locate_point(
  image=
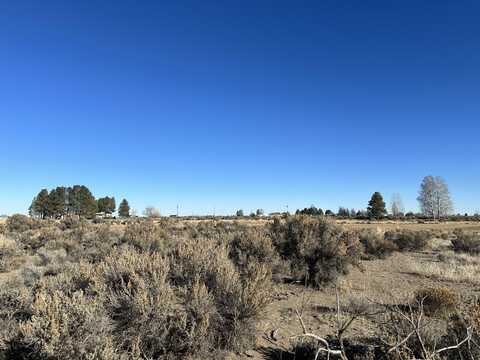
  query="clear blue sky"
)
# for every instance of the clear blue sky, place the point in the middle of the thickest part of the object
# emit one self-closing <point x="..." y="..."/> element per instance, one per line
<point x="239" y="104"/>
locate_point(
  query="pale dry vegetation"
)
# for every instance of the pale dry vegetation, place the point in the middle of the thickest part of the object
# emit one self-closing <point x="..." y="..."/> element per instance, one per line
<point x="143" y="289"/>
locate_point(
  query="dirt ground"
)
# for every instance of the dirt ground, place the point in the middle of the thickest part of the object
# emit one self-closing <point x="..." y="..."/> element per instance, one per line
<point x="387" y="281"/>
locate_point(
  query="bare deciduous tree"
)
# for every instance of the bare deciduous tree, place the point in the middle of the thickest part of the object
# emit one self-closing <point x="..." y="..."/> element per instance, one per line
<point x="396" y="206"/>
<point x="434" y="197"/>
<point x="151" y="212"/>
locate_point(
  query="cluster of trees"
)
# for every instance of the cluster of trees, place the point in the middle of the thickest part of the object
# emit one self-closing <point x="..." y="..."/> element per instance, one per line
<point x="312" y="210"/>
<point x="434" y="199"/>
<point x="257" y="213"/>
<point x="76" y="200"/>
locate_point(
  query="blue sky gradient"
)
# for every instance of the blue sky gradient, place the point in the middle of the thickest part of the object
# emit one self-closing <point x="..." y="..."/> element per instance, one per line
<point x="239" y="104"/>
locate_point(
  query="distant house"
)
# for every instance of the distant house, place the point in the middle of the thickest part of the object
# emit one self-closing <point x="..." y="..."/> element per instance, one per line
<point x="276" y="214"/>
<point x="103" y="215"/>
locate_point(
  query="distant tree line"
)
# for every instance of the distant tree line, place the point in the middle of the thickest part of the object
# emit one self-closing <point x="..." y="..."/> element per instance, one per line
<point x="434" y="200"/>
<point x="74" y="201"/>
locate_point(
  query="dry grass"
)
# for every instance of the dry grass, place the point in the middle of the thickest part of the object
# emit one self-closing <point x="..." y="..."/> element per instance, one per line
<point x="178" y="288"/>
<point x="449" y="267"/>
<point x="7" y="243"/>
<point x="410" y="225"/>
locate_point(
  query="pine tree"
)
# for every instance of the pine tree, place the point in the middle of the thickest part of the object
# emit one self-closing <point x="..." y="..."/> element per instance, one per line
<point x="124" y="209"/>
<point x="56" y="203"/>
<point x="376" y="206"/>
<point x="81" y="201"/>
<point x="39" y="205"/>
<point x="106" y="205"/>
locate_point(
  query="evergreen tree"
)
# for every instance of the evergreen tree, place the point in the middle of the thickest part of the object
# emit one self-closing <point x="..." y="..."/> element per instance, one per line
<point x="56" y="203"/>
<point x="39" y="205"/>
<point x="376" y="206"/>
<point x="106" y="205"/>
<point x="343" y="212"/>
<point x="124" y="209"/>
<point x="82" y="202"/>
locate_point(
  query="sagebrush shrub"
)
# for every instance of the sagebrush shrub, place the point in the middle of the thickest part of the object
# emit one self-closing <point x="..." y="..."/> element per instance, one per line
<point x="467" y="242"/>
<point x="71" y="222"/>
<point x="375" y="244"/>
<point x="20" y="223"/>
<point x="145" y="236"/>
<point x="254" y="246"/>
<point x="15" y="307"/>
<point x="65" y="326"/>
<point x="33" y="240"/>
<point x="437" y="300"/>
<point x="147" y="315"/>
<point x="239" y="297"/>
<point x="408" y="240"/>
<point x="11" y="256"/>
<point x="317" y="248"/>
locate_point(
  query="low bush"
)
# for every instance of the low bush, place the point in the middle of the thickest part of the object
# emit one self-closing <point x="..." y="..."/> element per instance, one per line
<point x="136" y="303"/>
<point x="15" y="307"/>
<point x="147" y="314"/>
<point x="239" y="297"/>
<point x="145" y="236"/>
<point x="33" y="240"/>
<point x="66" y="326"/>
<point x="437" y="300"/>
<point x="409" y="240"/>
<point x="467" y="242"/>
<point x="376" y="246"/>
<point x="255" y="246"/>
<point x="11" y="256"/>
<point x="19" y="223"/>
<point x="319" y="250"/>
<point x="71" y="222"/>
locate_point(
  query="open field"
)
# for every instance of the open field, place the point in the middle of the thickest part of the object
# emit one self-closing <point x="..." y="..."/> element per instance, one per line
<point x="236" y="289"/>
<point x="355" y="224"/>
